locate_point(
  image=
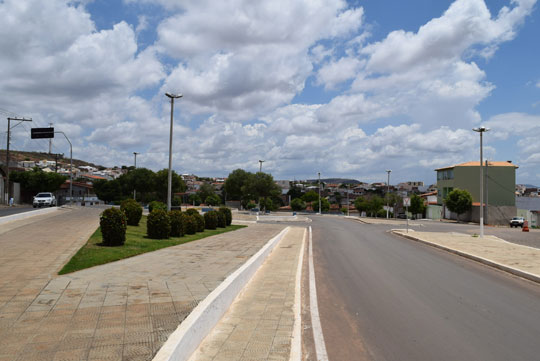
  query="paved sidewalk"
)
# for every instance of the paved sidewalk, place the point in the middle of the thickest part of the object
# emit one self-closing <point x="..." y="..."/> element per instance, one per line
<point x="259" y="324"/>
<point x="123" y="310"/>
<point x="495" y="251"/>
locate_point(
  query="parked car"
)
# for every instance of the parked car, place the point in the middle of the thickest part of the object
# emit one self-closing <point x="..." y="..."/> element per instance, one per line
<point x="517" y="222"/>
<point x="44" y="199"/>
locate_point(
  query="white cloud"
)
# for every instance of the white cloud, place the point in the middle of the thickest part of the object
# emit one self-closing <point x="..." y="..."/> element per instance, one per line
<point x="337" y="72"/>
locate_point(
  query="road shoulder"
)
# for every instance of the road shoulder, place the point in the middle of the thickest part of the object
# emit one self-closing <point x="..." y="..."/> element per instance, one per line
<point x="522" y="261"/>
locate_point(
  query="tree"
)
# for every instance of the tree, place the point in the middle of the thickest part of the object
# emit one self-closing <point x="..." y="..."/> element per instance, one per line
<point x="375" y="205"/>
<point x="338" y="197"/>
<point x="361" y="205"/>
<point x="213" y="200"/>
<point x="325" y="205"/>
<point x="161" y="184"/>
<point x="108" y="191"/>
<point x="206" y="190"/>
<point x="234" y="183"/>
<point x="298" y="204"/>
<point x="37" y="180"/>
<point x="194" y="199"/>
<point x="260" y="185"/>
<point x="142" y="180"/>
<point x="417" y="205"/>
<point x="458" y="201"/>
<point x="295" y="192"/>
<point x="310" y="196"/>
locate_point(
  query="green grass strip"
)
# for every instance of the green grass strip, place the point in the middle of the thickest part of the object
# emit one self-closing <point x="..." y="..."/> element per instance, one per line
<point x="94" y="254"/>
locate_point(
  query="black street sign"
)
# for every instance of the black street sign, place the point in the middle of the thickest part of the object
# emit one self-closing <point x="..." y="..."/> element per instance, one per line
<point x="38" y="133"/>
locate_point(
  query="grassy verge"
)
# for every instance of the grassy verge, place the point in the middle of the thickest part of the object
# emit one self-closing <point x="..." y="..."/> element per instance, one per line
<point x="93" y="253"/>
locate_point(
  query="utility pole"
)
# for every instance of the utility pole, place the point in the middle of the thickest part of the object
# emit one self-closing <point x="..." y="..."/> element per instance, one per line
<point x="71" y="167"/>
<point x="260" y="165"/>
<point x="348" y="200"/>
<point x="7" y="150"/>
<point x="50" y="139"/>
<point x="320" y="210"/>
<point x="487" y="199"/>
<point x="134" y="191"/>
<point x="388" y="194"/>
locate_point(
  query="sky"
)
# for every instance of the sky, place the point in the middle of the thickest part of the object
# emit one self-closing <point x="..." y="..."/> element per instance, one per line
<point x="346" y="88"/>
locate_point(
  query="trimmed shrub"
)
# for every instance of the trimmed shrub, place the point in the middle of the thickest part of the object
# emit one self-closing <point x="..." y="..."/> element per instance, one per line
<point x="222" y="220"/>
<point x="211" y="219"/>
<point x="228" y="215"/>
<point x="158" y="224"/>
<point x="132" y="210"/>
<point x="177" y="223"/>
<point x="199" y="219"/>
<point x="250" y="205"/>
<point x="190" y="225"/>
<point x="156" y="205"/>
<point x="113" y="227"/>
<point x="192" y="211"/>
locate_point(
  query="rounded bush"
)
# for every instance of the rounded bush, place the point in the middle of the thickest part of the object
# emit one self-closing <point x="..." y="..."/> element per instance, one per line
<point x="222" y="220"/>
<point x="190" y="225"/>
<point x="192" y="211"/>
<point x="210" y="220"/>
<point x="113" y="227"/>
<point x="177" y="223"/>
<point x="156" y="205"/>
<point x="132" y="210"/>
<point x="158" y="224"/>
<point x="228" y="214"/>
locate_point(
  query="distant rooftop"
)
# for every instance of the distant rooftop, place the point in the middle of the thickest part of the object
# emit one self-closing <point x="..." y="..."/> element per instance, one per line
<point x="476" y="164"/>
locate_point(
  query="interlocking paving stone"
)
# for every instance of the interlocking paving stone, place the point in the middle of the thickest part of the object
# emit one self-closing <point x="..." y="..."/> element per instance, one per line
<point x="259" y="324"/>
<point x="124" y="310"/>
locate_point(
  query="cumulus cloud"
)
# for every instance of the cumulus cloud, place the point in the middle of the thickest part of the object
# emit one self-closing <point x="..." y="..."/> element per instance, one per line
<point x="404" y="102"/>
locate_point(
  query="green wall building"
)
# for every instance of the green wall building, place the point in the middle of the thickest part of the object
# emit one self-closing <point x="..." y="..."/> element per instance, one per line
<point x="499" y="184"/>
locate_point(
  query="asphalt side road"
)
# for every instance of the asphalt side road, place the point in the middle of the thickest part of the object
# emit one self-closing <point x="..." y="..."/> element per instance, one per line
<point x="8" y="211"/>
<point x="383" y="297"/>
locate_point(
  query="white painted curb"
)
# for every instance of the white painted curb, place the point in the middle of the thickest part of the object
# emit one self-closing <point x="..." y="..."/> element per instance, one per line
<point x="296" y="342"/>
<point x="24" y="215"/>
<point x="192" y="331"/>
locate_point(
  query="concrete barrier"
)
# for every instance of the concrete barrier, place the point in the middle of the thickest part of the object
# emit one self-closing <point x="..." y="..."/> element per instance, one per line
<point x="24" y="215"/>
<point x="192" y="331"/>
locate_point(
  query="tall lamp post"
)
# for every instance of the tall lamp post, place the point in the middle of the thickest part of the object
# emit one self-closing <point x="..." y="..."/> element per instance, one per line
<point x="134" y="190"/>
<point x="481" y="130"/>
<point x="7" y="151"/>
<point x="387" y="194"/>
<point x="260" y="165"/>
<point x="320" y="210"/>
<point x="169" y="182"/>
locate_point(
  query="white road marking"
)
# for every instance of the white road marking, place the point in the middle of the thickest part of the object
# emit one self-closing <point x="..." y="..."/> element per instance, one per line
<point x="296" y="343"/>
<point x="318" y="337"/>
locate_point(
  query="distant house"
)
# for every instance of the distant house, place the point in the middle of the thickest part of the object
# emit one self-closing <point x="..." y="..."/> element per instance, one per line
<point x="499" y="188"/>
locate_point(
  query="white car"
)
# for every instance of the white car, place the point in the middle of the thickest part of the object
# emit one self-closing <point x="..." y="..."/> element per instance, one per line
<point x="44" y="199"/>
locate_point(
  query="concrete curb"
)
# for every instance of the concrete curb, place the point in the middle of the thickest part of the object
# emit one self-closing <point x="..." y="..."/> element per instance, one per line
<point x="24" y="215"/>
<point x="186" y="338"/>
<point x="487" y="262"/>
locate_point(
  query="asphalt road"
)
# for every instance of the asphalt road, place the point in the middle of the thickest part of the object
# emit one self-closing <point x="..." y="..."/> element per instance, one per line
<point x="383" y="297"/>
<point x="7" y="211"/>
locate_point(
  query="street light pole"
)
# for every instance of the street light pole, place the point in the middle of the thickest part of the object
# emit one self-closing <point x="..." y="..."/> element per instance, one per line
<point x="387" y="195"/>
<point x="348" y="200"/>
<point x="71" y="168"/>
<point x="481" y="130"/>
<point x="260" y="165"/>
<point x="7" y="151"/>
<point x="169" y="182"/>
<point x="320" y="210"/>
<point x="134" y="190"/>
